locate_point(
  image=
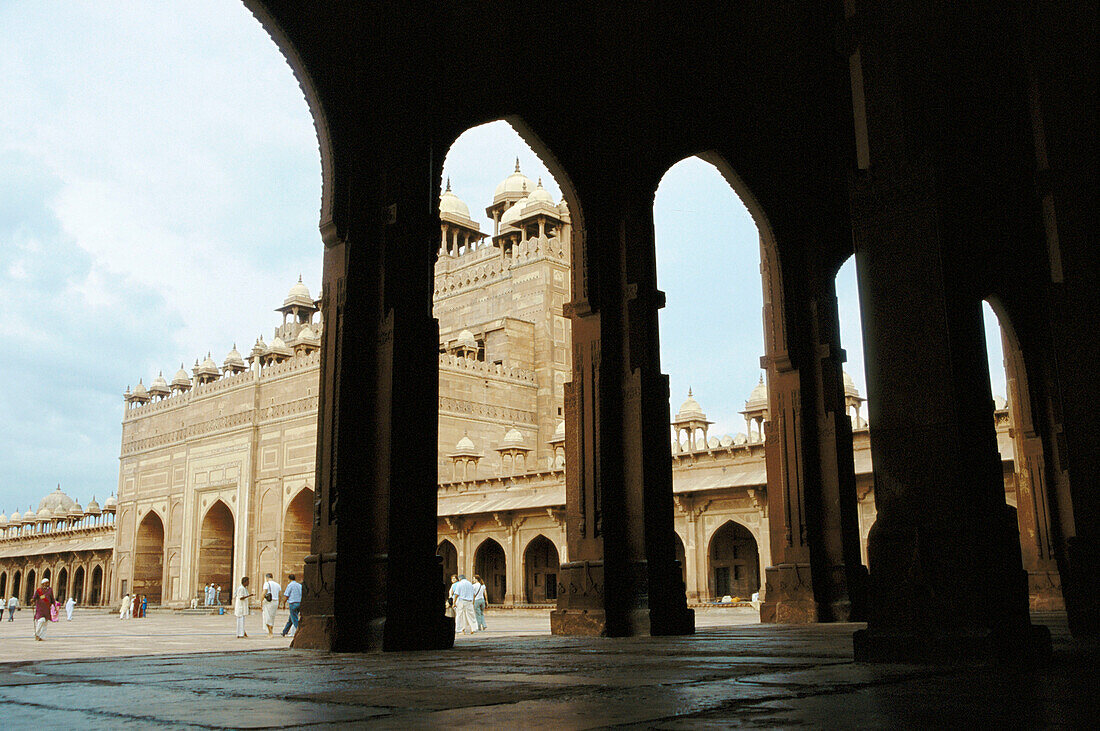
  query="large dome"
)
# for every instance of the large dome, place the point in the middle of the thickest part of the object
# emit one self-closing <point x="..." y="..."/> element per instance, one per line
<point x="515" y="184"/>
<point x="57" y="502"/>
<point x="451" y="203"/>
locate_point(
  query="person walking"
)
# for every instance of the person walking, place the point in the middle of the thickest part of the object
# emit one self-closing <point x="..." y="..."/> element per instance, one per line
<point x="218" y="595"/>
<point x="43" y="603"/>
<point x="210" y="594"/>
<point x="464" y="606"/>
<point x="480" y="601"/>
<point x="69" y="604"/>
<point x="144" y="605"/>
<point x="293" y="595"/>
<point x="240" y="605"/>
<point x="13" y="604"/>
<point x="134" y="607"/>
<point x="125" y="608"/>
<point x="271" y="603"/>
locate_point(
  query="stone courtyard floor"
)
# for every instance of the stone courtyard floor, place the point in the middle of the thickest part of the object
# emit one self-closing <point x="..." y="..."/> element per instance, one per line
<point x="175" y="671"/>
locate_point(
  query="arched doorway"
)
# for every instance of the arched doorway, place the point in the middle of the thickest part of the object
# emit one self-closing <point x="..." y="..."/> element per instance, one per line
<point x="78" y="585"/>
<point x="447" y="551"/>
<point x="540" y="562"/>
<point x="297" y="527"/>
<point x="95" y="592"/>
<point x="734" y="562"/>
<point x="15" y="582"/>
<point x="61" y="591"/>
<point x="491" y="565"/>
<point x="681" y="556"/>
<point x="216" y="547"/>
<point x="4" y="586"/>
<point x="149" y="558"/>
<point x="28" y="590"/>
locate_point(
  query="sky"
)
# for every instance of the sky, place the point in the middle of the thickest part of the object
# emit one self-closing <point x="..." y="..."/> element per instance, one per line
<point x="159" y="194"/>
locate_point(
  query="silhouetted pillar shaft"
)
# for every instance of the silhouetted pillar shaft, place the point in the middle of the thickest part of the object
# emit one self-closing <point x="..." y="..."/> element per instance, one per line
<point x="373" y="579"/>
<point x="622" y="577"/>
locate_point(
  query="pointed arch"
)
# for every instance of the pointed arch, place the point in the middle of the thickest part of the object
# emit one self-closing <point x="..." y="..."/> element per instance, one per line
<point x="78" y="584"/>
<point x="148" y="577"/>
<point x="95" y="590"/>
<point x="216" y="543"/>
<point x="29" y="586"/>
<point x="296" y="533"/>
<point x="62" y="590"/>
<point x="449" y="553"/>
<point x="491" y="565"/>
<point x="733" y="559"/>
<point x="540" y="569"/>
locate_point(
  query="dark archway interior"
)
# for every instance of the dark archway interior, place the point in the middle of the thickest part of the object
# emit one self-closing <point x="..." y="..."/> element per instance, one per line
<point x="297" y="527"/>
<point x="62" y="591"/>
<point x="149" y="558"/>
<point x="541" y="567"/>
<point x="95" y="591"/>
<point x="31" y="585"/>
<point x="216" y="548"/>
<point x="15" y="584"/>
<point x="78" y="584"/>
<point x="734" y="562"/>
<point x="447" y="551"/>
<point x="490" y="565"/>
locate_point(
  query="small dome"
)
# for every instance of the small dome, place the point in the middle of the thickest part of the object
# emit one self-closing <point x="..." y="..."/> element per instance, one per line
<point x="93" y="507"/>
<point x="759" y="396"/>
<point x="207" y="368"/>
<point x="234" y="358"/>
<point x="159" y="385"/>
<point x="76" y="511"/>
<point x="298" y="295"/>
<point x="542" y="195"/>
<point x="466" y="339"/>
<point x="56" y="502"/>
<point x="44" y="514"/>
<point x="3" y="519"/>
<point x="306" y="335"/>
<point x="465" y="444"/>
<point x="559" y="432"/>
<point x="690" y="410"/>
<point x="140" y="391"/>
<point x="16" y="518"/>
<point x="512" y="439"/>
<point x="740" y="438"/>
<point x="451" y="203"/>
<point x="512" y="215"/>
<point x="181" y="378"/>
<point x="516" y="183"/>
<point x="278" y="346"/>
<point x="850" y="386"/>
<point x="111" y="502"/>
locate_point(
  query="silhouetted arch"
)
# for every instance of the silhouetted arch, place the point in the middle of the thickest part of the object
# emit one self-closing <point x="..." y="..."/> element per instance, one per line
<point x="681" y="556"/>
<point x="734" y="562"/>
<point x="447" y="551"/>
<point x="16" y="581"/>
<point x="28" y="590"/>
<point x="297" y="529"/>
<point x="540" y="567"/>
<point x="62" y="590"/>
<point x="216" y="547"/>
<point x="4" y="586"/>
<point x="78" y="584"/>
<point x="149" y="558"/>
<point x="491" y="564"/>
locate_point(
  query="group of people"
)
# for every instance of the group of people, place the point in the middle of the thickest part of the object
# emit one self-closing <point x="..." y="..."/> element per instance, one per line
<point x="133" y="606"/>
<point x="466" y="601"/>
<point x="212" y="595"/>
<point x="271" y="596"/>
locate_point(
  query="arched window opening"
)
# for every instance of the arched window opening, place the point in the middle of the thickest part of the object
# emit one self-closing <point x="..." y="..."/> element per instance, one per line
<point x="297" y="529"/>
<point x="32" y="584"/>
<point x="491" y="565"/>
<point x="447" y="551"/>
<point x="62" y="589"/>
<point x="734" y="561"/>
<point x="16" y="582"/>
<point x="215" y="564"/>
<point x="78" y="585"/>
<point x="95" y="591"/>
<point x="681" y="558"/>
<point x="4" y="586"/>
<point x="540" y="565"/>
<point x="149" y="558"/>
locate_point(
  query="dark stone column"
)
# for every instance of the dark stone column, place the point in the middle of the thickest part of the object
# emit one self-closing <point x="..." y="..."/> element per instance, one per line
<point x="376" y="498"/>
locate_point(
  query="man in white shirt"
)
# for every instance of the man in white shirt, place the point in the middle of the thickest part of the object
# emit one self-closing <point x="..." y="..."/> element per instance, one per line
<point x="240" y="605"/>
<point x="464" y="593"/>
<point x="270" y="595"/>
<point x="13" y="604"/>
<point x="69" y="604"/>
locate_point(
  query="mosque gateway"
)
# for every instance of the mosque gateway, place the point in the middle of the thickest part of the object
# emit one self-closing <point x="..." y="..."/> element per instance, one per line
<point x="217" y="472"/>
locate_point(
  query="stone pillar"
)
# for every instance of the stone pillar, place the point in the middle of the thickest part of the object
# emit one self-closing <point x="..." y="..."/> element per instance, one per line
<point x="618" y="465"/>
<point x="946" y="580"/>
<point x="370" y="586"/>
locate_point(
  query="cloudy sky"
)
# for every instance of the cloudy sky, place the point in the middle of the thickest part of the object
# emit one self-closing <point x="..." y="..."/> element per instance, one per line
<point x="159" y="194"/>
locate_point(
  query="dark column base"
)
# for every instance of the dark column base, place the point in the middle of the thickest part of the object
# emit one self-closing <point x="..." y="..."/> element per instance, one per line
<point x="672" y="621"/>
<point x="1080" y="586"/>
<point x="788" y="595"/>
<point x="320" y="633"/>
<point x="580" y="622"/>
<point x="1044" y="591"/>
<point x="1030" y="644"/>
<point x="315" y="633"/>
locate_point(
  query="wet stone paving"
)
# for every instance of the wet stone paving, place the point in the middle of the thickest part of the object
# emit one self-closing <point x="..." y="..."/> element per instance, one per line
<point x="730" y="673"/>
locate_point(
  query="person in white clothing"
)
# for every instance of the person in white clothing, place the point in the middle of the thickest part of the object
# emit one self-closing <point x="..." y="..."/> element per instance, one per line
<point x="240" y="605"/>
<point x="69" y="604"/>
<point x="464" y="606"/>
<point x="125" y="608"/>
<point x="13" y="604"/>
<point x="270" y="595"/>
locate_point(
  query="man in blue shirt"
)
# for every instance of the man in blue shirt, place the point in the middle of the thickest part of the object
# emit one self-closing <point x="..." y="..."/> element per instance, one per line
<point x="293" y="596"/>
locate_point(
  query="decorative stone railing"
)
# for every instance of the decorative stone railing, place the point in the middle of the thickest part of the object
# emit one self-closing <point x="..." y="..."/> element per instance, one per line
<point x="7" y="538"/>
<point x="458" y="363"/>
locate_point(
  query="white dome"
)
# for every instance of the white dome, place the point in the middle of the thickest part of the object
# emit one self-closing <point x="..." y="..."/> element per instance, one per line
<point x="76" y="511"/>
<point x="512" y="215"/>
<point x="207" y="367"/>
<point x="451" y="203"/>
<point x="466" y="339"/>
<point x="306" y="335"/>
<point x="758" y="398"/>
<point x="850" y="386"/>
<point x="278" y="345"/>
<point x="111" y="502"/>
<point x="16" y="517"/>
<point x="140" y="390"/>
<point x="559" y="432"/>
<point x="181" y="378"/>
<point x="44" y="513"/>
<point x="3" y="519"/>
<point x="93" y="507"/>
<point x="298" y="295"/>
<point x="56" y="502"/>
<point x="690" y="410"/>
<point x="234" y="358"/>
<point x="465" y="444"/>
<point x="159" y="385"/>
<point x="516" y="183"/>
<point x="541" y="194"/>
<point x="512" y="439"/>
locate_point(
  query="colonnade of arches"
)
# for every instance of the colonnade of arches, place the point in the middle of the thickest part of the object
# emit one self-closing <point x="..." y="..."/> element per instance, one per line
<point x="83" y="577"/>
<point x="537" y="577"/>
<point x="848" y="153"/>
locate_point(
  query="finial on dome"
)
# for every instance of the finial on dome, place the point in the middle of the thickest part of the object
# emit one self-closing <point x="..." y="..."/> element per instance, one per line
<point x="689" y="391"/>
<point x="540" y="181"/>
<point x="448" y="184"/>
<point x="299" y="278"/>
<point x="517" y="163"/>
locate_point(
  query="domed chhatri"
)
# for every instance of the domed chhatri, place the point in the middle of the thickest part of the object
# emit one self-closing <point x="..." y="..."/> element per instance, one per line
<point x="690" y="410"/>
<point x="56" y="502"/>
<point x="515" y="185"/>
<point x="298" y="295"/>
<point x="512" y="439"/>
<point x="93" y="507"/>
<point x="110" y="503"/>
<point x="467" y="339"/>
<point x="451" y="203"/>
<point x="234" y="361"/>
<point x="181" y="380"/>
<point x="758" y="397"/>
<point x="159" y="386"/>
